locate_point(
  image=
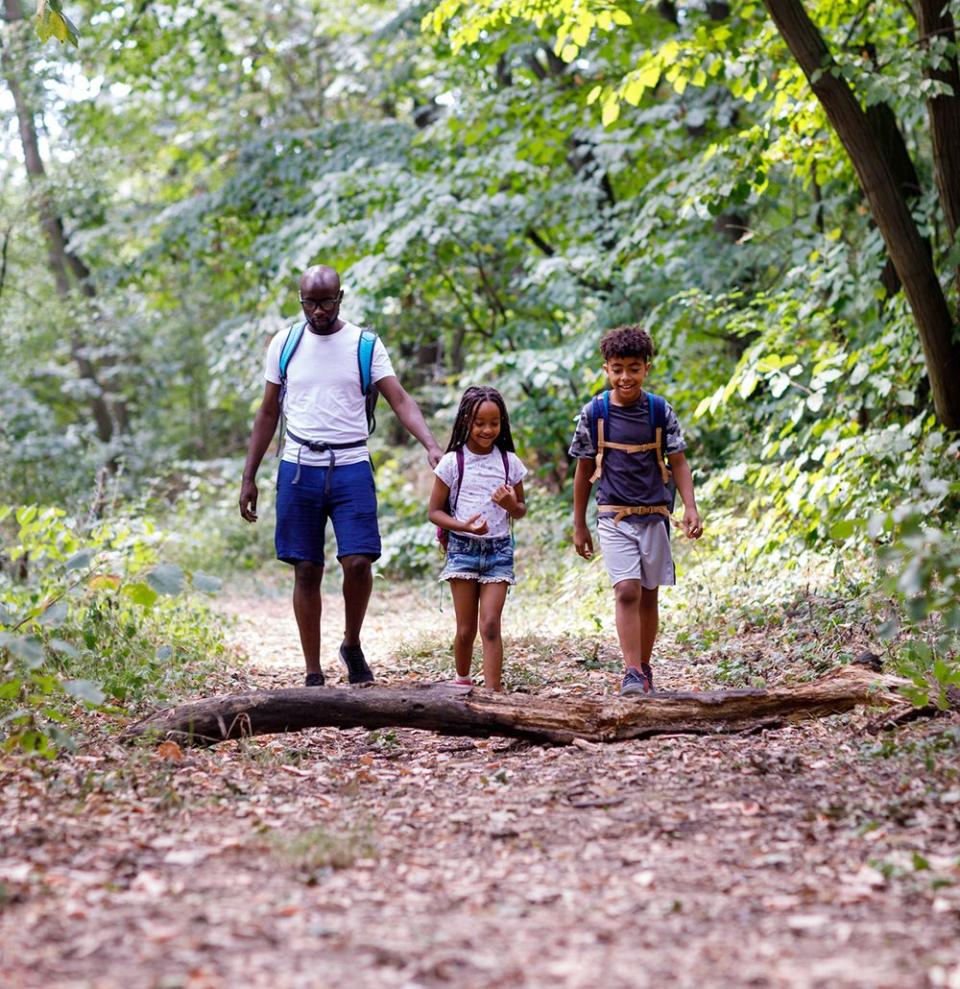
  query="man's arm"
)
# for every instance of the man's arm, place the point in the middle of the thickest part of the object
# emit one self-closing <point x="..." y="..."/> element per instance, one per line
<point x="582" y="540"/>
<point x="264" y="426"/>
<point x="684" y="481"/>
<point x="410" y="416"/>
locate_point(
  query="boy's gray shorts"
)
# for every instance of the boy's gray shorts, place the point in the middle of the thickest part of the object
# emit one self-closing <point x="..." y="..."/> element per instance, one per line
<point x="637" y="551"/>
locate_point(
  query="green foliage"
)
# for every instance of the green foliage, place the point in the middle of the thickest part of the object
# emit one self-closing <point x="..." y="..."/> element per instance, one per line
<point x="91" y="620"/>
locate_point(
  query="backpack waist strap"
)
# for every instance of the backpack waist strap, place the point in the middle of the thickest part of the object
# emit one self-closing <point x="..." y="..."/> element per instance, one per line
<point x="622" y="511"/>
<point x="316" y="447"/>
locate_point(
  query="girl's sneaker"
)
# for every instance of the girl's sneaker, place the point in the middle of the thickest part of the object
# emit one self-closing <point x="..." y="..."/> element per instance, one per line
<point x="463" y="681"/>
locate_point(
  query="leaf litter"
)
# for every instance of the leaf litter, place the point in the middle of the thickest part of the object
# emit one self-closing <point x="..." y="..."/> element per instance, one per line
<point x="818" y="855"/>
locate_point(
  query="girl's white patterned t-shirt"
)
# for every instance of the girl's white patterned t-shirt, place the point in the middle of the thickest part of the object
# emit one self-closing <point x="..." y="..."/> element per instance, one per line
<point x="482" y="475"/>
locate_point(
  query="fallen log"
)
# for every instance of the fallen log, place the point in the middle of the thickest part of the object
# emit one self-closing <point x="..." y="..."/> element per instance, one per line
<point x="450" y="710"/>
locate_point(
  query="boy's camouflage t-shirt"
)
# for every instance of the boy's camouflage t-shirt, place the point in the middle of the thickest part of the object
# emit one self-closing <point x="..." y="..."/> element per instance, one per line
<point x="582" y="446"/>
<point x="628" y="479"/>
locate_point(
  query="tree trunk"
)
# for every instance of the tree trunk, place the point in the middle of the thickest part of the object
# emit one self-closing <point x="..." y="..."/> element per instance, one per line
<point x="451" y="710"/>
<point x="934" y="20"/>
<point x="906" y="246"/>
<point x="62" y="262"/>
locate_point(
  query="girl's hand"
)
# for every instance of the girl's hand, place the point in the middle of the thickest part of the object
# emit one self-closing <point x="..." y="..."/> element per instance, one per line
<point x="476" y="524"/>
<point x="505" y="497"/>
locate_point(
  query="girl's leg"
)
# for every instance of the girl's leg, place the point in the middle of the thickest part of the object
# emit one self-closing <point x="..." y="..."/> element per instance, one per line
<point x="466" y="595"/>
<point x="649" y="621"/>
<point x="629" y="626"/>
<point x="492" y="599"/>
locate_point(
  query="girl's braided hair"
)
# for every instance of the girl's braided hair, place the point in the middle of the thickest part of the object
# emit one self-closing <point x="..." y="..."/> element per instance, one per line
<point x="472" y="399"/>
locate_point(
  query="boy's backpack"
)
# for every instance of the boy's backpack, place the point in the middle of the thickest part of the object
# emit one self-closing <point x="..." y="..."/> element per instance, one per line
<point x="600" y="413"/>
<point x="443" y="535"/>
<point x="365" y="345"/>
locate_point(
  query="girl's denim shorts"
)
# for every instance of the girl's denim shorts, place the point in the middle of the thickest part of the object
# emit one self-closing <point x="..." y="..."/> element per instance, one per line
<point x="488" y="560"/>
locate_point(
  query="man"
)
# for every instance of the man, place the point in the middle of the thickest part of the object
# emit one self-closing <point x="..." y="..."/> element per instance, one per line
<point x="325" y="470"/>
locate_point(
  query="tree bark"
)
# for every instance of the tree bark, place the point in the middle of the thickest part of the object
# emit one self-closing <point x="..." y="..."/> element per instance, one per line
<point x="906" y="246"/>
<point x="451" y="710"/>
<point x="934" y="20"/>
<point x="62" y="261"/>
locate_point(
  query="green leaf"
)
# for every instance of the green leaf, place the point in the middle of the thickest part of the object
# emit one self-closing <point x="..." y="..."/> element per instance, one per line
<point x="80" y="561"/>
<point x="141" y="594"/>
<point x="167" y="578"/>
<point x="85" y="690"/>
<point x="26" y="648"/>
<point x="843" y="529"/>
<point x="206" y="582"/>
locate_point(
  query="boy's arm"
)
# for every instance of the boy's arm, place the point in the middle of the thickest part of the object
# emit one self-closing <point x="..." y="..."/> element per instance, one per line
<point x="582" y="541"/>
<point x="682" y="477"/>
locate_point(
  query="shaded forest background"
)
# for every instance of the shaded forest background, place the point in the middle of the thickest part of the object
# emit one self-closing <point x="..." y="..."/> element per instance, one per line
<point x="773" y="189"/>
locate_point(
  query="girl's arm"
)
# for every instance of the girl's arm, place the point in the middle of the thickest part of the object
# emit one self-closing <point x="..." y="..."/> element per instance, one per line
<point x="439" y="515"/>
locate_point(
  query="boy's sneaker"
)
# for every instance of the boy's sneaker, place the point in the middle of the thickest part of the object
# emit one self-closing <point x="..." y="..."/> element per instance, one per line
<point x="357" y="669"/>
<point x="313" y="680"/>
<point x="637" y="681"/>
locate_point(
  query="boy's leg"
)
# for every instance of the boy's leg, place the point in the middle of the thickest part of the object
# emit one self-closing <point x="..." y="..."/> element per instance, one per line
<point x="628" y="595"/>
<point x="649" y="621"/>
<point x="492" y="599"/>
<point x="466" y="597"/>
<point x="307" y="608"/>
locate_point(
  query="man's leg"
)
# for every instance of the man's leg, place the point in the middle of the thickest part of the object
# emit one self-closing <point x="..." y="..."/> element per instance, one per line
<point x="357" y="585"/>
<point x="307" y="607"/>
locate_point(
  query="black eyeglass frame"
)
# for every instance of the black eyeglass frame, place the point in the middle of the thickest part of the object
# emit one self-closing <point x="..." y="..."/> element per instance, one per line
<point x="312" y="305"/>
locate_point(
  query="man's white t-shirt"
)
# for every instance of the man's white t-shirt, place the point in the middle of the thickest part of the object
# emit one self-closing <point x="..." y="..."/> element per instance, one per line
<point x="482" y="475"/>
<point x="323" y="400"/>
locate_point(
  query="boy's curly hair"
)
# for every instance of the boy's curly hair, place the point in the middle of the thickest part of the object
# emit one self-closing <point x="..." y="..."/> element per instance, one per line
<point x="627" y="341"/>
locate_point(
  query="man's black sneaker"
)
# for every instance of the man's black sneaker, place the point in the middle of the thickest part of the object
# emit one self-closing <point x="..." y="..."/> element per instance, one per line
<point x="357" y="669"/>
<point x="313" y="680"/>
<point x="637" y="681"/>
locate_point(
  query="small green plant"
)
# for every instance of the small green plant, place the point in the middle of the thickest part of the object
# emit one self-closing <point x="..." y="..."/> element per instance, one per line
<point x="318" y="848"/>
<point x="90" y="620"/>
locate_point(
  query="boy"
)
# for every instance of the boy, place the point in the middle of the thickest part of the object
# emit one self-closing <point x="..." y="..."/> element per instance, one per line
<point x="618" y="444"/>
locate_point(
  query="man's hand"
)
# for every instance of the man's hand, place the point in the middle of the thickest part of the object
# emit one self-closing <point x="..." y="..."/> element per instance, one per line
<point x="692" y="525"/>
<point x="582" y="541"/>
<point x="506" y="498"/>
<point x="476" y="524"/>
<point x="248" y="500"/>
<point x="434" y="453"/>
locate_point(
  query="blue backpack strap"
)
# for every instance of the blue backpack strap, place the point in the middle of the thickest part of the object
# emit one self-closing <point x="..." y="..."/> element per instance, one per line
<point x="294" y="336"/>
<point x="365" y="345"/>
<point x="599" y="409"/>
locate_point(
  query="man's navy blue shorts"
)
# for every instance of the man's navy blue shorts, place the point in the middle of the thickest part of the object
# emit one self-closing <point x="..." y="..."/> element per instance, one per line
<point x="303" y="509"/>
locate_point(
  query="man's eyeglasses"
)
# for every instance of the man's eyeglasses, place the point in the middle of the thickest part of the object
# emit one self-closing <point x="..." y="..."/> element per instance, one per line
<point x="313" y="305"/>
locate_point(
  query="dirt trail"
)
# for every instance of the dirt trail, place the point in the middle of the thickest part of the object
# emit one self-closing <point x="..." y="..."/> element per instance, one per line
<point x="400" y="859"/>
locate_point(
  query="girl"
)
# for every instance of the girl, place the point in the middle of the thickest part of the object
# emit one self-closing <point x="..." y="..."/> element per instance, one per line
<point x="477" y="490"/>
